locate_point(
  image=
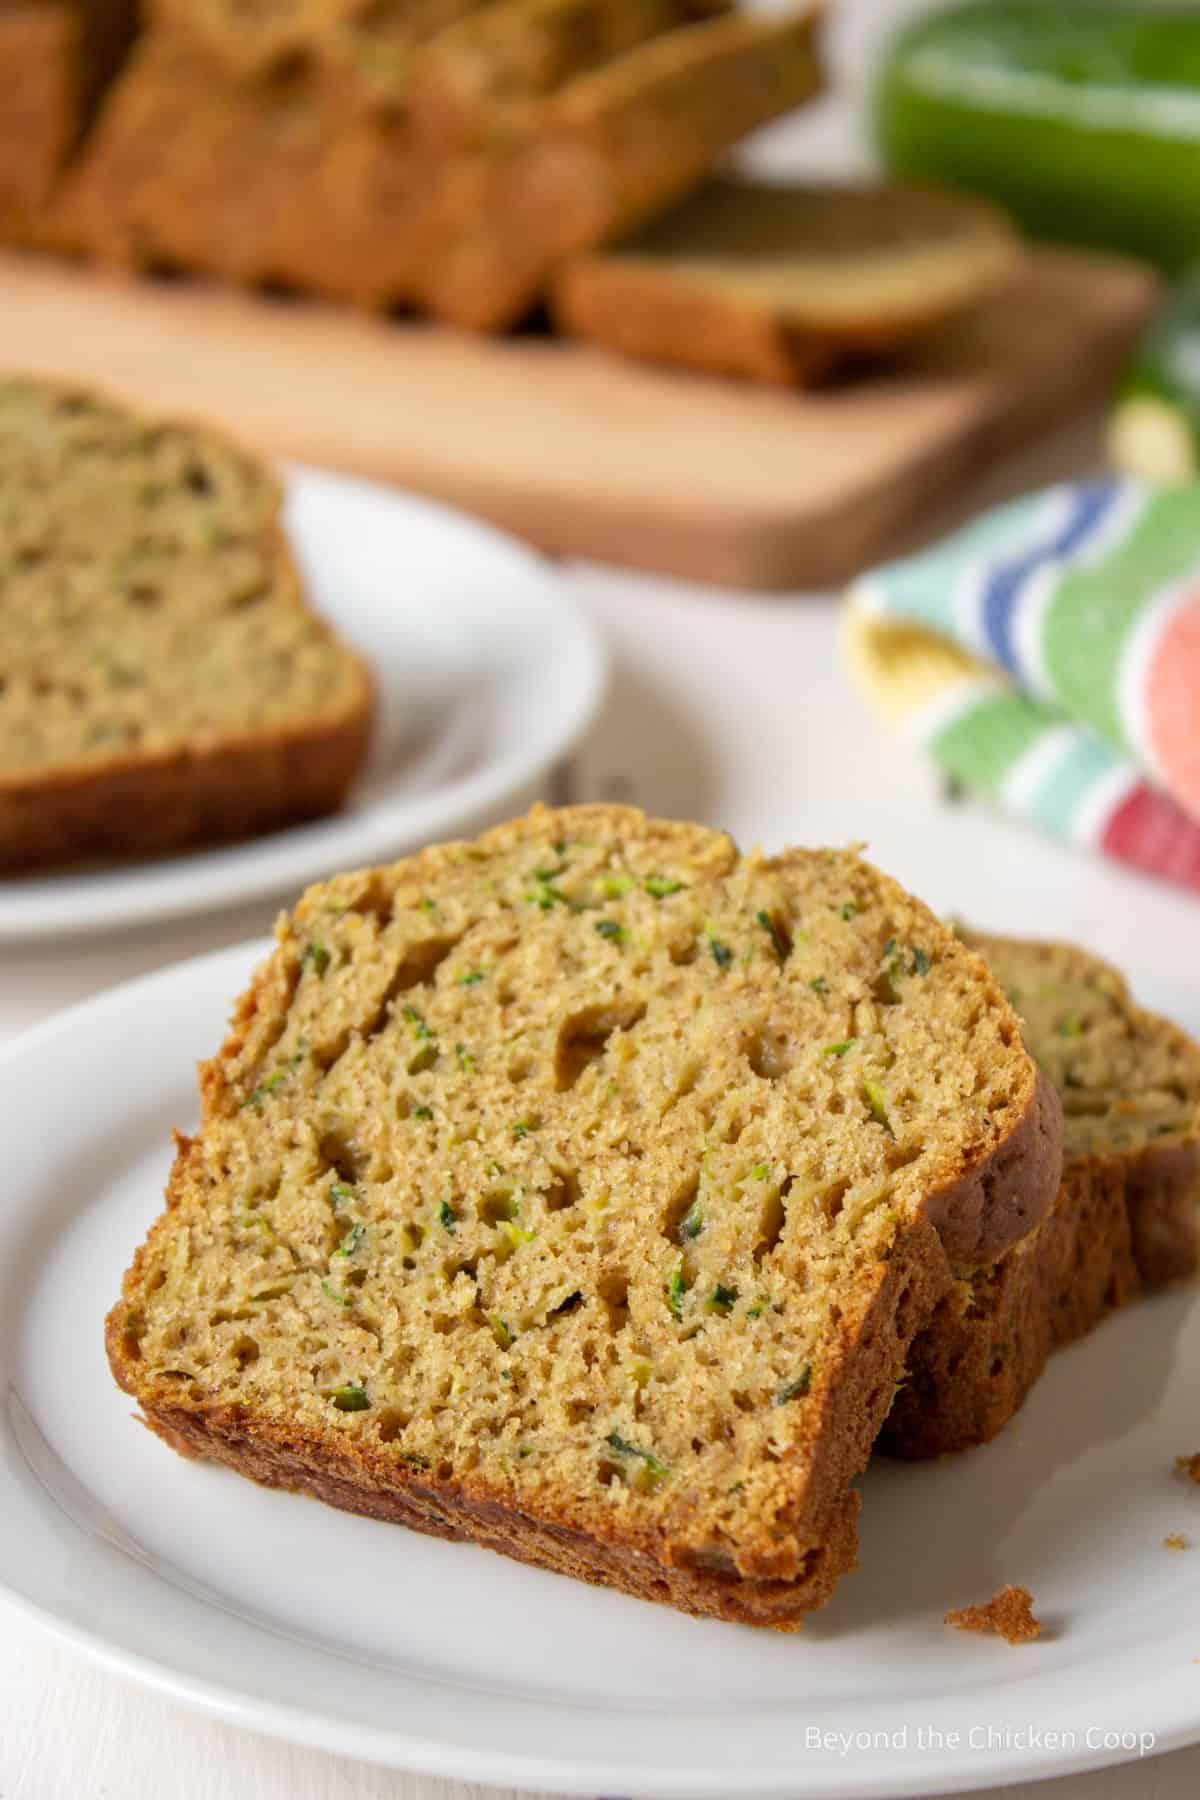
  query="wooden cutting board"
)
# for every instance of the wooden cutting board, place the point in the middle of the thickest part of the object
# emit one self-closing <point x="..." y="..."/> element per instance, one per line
<point x="584" y="454"/>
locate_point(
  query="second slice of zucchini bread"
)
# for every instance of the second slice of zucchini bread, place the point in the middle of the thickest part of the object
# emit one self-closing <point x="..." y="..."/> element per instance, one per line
<point x="1127" y="1217"/>
<point x="579" y="1191"/>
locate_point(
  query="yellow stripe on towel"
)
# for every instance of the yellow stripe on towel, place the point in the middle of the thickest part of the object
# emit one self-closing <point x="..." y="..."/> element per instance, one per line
<point x="901" y="668"/>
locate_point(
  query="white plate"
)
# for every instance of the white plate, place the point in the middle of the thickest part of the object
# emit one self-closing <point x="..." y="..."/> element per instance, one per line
<point x="272" y="1611"/>
<point x="488" y="673"/>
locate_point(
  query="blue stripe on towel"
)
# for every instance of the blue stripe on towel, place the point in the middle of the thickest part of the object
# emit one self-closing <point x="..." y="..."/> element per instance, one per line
<point x="1091" y="504"/>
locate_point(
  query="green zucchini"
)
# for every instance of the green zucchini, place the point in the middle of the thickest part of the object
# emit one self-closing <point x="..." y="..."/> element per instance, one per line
<point x="1154" y="430"/>
<point x="1081" y="117"/>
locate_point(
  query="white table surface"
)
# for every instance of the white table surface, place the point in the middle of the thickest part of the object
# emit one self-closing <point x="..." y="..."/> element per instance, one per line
<point x="725" y="707"/>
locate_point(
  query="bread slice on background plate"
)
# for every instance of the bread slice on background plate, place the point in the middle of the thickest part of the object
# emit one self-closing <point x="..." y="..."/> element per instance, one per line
<point x="784" y="283"/>
<point x="579" y="1191"/>
<point x="162" y="681"/>
<point x="1127" y="1218"/>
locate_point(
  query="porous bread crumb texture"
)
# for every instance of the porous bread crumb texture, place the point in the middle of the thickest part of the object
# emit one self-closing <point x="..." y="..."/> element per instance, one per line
<point x="1008" y="1614"/>
<point x="145" y="597"/>
<point x="1129" y="1080"/>
<point x="1127" y="1217"/>
<point x="1189" y="1466"/>
<point x="583" y="1171"/>
<point x="1175" y="1540"/>
<point x="152" y="624"/>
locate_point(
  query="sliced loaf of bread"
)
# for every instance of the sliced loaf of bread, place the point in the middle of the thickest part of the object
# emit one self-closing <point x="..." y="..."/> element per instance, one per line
<point x="784" y="283"/>
<point x="449" y="173"/>
<point x="579" y="1191"/>
<point x="1127" y="1217"/>
<point x="162" y="680"/>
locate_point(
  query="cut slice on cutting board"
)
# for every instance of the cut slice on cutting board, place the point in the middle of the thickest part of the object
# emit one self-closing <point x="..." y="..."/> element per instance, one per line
<point x="579" y="1190"/>
<point x="782" y="283"/>
<point x="590" y="455"/>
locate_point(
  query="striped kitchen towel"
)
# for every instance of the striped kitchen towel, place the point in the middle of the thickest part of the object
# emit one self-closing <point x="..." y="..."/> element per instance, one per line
<point x="1049" y="656"/>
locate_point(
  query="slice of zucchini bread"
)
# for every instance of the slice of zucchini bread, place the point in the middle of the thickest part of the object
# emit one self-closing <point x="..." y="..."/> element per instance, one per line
<point x="161" y="679"/>
<point x="1127" y="1217"/>
<point x="784" y="283"/>
<point x="579" y="1191"/>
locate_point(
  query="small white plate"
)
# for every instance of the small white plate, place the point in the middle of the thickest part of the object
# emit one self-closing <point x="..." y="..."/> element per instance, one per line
<point x="277" y="1613"/>
<point x="488" y="673"/>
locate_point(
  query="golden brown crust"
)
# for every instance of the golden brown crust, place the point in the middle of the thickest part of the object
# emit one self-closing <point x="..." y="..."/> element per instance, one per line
<point x="56" y="59"/>
<point x="989" y="1339"/>
<point x="644" y="312"/>
<point x="160" y="800"/>
<point x="995" y="1206"/>
<point x="420" y="1502"/>
<point x="1008" y="1614"/>
<point x="39" y="110"/>
<point x="1125" y="1221"/>
<point x="1163" y="1198"/>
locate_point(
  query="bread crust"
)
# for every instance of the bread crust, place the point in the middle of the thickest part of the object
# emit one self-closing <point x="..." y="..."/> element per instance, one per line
<point x="989" y="1339"/>
<point x="1122" y="1225"/>
<point x="40" y="113"/>
<point x="657" y="298"/>
<point x="383" y="1489"/>
<point x="644" y="312"/>
<point x="995" y="1206"/>
<point x="1162" y="1192"/>
<point x="203" y="793"/>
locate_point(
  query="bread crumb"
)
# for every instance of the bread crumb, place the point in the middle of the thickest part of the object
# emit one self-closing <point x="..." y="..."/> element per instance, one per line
<point x="1189" y="1466"/>
<point x="1175" y="1540"/>
<point x="1008" y="1614"/>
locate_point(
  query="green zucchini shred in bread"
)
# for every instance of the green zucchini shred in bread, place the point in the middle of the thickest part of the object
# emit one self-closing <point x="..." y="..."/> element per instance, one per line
<point x="161" y="679"/>
<point x="1127" y="1218"/>
<point x="628" y="1295"/>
